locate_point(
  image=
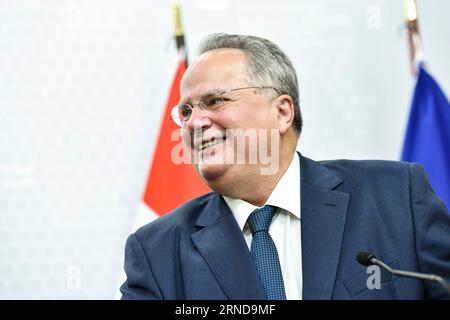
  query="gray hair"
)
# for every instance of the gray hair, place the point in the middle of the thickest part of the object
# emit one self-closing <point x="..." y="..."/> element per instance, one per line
<point x="267" y="64"/>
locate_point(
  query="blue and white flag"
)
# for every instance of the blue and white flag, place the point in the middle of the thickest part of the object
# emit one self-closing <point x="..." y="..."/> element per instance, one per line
<point x="427" y="138"/>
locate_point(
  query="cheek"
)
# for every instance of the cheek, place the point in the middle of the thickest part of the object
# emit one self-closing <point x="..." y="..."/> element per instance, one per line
<point x="246" y="116"/>
<point x="269" y="117"/>
<point x="186" y="138"/>
<point x="259" y="116"/>
<point x="235" y="117"/>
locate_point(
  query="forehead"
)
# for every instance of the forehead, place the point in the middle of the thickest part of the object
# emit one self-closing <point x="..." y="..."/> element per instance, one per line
<point x="216" y="69"/>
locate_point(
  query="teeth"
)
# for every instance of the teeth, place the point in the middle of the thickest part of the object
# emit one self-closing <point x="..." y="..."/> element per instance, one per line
<point x="210" y="143"/>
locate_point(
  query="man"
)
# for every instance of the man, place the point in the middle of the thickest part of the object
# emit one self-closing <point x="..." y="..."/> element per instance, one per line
<point x="291" y="231"/>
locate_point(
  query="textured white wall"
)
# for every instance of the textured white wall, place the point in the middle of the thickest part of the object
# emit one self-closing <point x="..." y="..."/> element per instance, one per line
<point x="83" y="84"/>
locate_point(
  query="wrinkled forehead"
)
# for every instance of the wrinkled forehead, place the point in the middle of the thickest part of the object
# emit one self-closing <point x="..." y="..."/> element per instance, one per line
<point x="220" y="69"/>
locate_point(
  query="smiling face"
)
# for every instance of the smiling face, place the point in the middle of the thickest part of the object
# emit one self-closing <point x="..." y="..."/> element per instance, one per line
<point x="210" y="136"/>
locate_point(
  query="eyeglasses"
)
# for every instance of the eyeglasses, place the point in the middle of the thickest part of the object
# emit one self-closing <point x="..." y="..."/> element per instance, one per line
<point x="181" y="113"/>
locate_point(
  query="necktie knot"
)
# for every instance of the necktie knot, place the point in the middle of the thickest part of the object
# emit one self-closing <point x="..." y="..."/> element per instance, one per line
<point x="260" y="219"/>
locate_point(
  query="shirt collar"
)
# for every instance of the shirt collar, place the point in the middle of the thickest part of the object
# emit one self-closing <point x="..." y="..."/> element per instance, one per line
<point x="286" y="195"/>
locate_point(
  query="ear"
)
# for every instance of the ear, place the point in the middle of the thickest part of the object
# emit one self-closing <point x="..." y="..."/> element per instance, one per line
<point x="285" y="109"/>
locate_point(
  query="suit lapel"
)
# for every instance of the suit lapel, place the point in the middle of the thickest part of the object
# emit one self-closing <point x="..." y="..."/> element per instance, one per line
<point x="322" y="225"/>
<point x="222" y="245"/>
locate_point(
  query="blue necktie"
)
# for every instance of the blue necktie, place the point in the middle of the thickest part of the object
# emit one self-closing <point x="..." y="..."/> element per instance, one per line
<point x="264" y="253"/>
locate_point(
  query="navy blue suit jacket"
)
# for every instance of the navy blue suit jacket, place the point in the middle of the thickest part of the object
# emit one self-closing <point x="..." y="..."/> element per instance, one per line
<point x="387" y="208"/>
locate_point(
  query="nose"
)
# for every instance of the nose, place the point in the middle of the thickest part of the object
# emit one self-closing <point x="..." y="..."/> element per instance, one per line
<point x="199" y="120"/>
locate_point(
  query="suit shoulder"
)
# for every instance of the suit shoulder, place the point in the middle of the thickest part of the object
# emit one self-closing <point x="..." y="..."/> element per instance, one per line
<point x="183" y="217"/>
<point x="368" y="168"/>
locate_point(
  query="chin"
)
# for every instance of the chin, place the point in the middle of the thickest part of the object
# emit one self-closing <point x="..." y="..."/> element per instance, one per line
<point x="211" y="172"/>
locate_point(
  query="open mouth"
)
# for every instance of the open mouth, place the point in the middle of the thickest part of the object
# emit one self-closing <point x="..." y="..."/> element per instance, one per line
<point x="209" y="143"/>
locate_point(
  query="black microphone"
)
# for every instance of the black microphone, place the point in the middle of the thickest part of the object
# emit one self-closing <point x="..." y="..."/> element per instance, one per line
<point x="368" y="259"/>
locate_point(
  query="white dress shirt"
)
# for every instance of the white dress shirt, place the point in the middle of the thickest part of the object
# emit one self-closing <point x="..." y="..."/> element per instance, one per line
<point x="284" y="229"/>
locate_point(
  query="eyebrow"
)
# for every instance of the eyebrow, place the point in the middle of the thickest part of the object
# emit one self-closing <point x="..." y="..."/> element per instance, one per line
<point x="208" y="93"/>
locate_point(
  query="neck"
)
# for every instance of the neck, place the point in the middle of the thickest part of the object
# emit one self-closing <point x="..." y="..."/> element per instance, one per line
<point x="264" y="187"/>
<point x="254" y="187"/>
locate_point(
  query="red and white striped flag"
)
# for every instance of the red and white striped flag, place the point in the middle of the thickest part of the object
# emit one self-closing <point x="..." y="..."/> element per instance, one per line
<point x="169" y="184"/>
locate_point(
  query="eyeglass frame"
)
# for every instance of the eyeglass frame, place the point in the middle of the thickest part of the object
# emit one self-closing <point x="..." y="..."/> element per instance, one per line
<point x="174" y="113"/>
